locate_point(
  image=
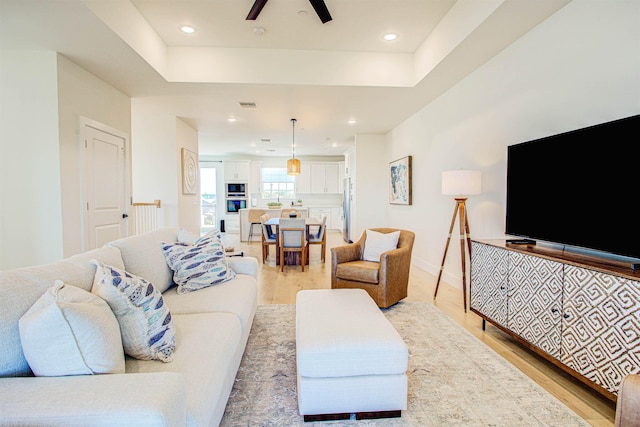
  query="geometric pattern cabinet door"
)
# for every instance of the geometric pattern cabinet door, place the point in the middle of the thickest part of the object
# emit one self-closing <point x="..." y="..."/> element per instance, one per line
<point x="535" y="300"/>
<point x="601" y="326"/>
<point x="488" y="288"/>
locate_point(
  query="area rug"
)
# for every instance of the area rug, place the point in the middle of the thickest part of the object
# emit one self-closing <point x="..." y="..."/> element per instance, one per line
<point x="454" y="379"/>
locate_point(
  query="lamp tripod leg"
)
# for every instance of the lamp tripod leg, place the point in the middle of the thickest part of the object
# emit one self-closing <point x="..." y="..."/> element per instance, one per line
<point x="446" y="248"/>
<point x="463" y="228"/>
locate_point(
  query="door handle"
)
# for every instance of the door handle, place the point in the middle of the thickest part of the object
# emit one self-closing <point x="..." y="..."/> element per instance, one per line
<point x="125" y="216"/>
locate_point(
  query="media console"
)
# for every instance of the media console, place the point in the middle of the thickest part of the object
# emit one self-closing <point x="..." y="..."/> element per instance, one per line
<point x="581" y="313"/>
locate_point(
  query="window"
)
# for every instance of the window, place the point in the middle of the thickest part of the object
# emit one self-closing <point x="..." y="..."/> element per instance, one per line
<point x="276" y="184"/>
<point x="208" y="196"/>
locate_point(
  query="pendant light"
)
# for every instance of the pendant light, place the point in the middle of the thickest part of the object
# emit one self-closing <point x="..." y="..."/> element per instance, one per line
<point x="293" y="164"/>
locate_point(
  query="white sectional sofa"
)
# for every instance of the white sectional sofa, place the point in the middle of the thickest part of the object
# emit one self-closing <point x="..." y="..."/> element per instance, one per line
<point x="212" y="327"/>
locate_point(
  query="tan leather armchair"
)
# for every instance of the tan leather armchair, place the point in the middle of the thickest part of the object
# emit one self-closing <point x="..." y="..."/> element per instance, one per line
<point x="628" y="405"/>
<point x="386" y="281"/>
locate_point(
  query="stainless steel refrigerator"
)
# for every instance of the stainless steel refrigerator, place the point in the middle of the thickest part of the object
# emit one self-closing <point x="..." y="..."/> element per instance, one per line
<point x="346" y="210"/>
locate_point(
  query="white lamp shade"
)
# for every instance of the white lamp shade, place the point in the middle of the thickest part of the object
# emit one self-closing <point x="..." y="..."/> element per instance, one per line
<point x="461" y="182"/>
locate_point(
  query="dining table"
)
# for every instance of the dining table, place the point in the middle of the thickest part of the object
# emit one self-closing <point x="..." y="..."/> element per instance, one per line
<point x="291" y="258"/>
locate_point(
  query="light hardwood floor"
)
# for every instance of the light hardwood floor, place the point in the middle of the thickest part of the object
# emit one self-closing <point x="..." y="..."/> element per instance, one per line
<point x="278" y="287"/>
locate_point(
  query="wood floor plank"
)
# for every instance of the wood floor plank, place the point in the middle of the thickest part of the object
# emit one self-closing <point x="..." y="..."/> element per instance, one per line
<point x="277" y="287"/>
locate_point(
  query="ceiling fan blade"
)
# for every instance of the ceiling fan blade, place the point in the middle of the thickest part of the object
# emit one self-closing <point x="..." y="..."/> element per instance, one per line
<point x="321" y="10"/>
<point x="255" y="10"/>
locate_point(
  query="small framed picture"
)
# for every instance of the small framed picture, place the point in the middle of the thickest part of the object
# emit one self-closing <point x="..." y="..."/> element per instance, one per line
<point x="400" y="181"/>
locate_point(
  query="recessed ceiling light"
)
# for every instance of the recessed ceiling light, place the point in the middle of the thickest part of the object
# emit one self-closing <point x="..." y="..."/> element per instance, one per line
<point x="303" y="13"/>
<point x="258" y="31"/>
<point x="390" y="37"/>
<point x="231" y="119"/>
<point x="352" y="121"/>
<point x="187" y="29"/>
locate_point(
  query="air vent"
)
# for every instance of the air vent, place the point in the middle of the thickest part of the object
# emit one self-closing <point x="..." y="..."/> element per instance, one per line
<point x="265" y="140"/>
<point x="247" y="104"/>
<point x="271" y="150"/>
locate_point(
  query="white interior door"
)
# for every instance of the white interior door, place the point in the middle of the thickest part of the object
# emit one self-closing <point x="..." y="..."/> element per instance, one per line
<point x="105" y="187"/>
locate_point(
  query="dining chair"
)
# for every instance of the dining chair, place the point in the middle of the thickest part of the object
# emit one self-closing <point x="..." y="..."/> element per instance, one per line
<point x="292" y="236"/>
<point x="268" y="237"/>
<point x="320" y="237"/>
<point x="254" y="219"/>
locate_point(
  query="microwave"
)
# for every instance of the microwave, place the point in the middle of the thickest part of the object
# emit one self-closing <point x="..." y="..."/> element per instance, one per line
<point x="234" y="205"/>
<point x="238" y="189"/>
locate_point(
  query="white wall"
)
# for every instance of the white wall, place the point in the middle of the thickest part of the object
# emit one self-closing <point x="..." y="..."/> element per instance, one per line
<point x="370" y="184"/>
<point x="30" y="202"/>
<point x="155" y="168"/>
<point x="580" y="67"/>
<point x="83" y="94"/>
<point x="188" y="204"/>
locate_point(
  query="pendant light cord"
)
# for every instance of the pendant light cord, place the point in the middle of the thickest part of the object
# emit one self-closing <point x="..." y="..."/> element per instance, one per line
<point x="293" y="137"/>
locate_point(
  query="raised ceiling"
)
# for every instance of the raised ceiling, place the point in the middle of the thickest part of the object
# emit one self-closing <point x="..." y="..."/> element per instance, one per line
<point x="321" y="74"/>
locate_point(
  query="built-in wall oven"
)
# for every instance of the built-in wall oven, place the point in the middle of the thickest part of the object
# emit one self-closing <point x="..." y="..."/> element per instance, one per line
<point x="236" y="190"/>
<point x="236" y="196"/>
<point x="234" y="205"/>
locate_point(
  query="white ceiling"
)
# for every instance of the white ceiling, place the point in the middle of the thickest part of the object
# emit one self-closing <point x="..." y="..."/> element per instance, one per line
<point x="321" y="74"/>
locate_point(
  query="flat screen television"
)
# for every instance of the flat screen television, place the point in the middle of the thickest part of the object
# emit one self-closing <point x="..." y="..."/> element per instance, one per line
<point x="578" y="188"/>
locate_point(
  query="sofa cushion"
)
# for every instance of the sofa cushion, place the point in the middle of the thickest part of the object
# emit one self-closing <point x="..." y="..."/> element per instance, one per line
<point x="208" y="355"/>
<point x="377" y="243"/>
<point x="142" y="256"/>
<point x="145" y="321"/>
<point x="20" y="289"/>
<point x="237" y="296"/>
<point x="359" y="271"/>
<point x="70" y="331"/>
<point x="198" y="266"/>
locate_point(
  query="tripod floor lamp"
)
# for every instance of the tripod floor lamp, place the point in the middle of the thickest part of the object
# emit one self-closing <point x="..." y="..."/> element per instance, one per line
<point x="460" y="183"/>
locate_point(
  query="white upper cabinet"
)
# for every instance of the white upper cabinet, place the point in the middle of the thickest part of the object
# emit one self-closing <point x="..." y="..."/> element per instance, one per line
<point x="237" y="171"/>
<point x="303" y="181"/>
<point x="256" y="177"/>
<point x="325" y="178"/>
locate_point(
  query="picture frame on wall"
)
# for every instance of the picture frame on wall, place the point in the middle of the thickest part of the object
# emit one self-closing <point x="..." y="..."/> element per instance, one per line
<point x="189" y="172"/>
<point x="400" y="181"/>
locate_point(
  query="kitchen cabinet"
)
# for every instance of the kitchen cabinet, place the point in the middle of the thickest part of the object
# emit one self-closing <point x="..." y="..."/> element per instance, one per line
<point x="324" y="178"/>
<point x="237" y="171"/>
<point x="336" y="219"/>
<point x="303" y="181"/>
<point x="255" y="177"/>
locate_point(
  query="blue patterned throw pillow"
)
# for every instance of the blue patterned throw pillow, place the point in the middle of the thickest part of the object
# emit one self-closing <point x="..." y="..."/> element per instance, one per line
<point x="148" y="332"/>
<point x="199" y="265"/>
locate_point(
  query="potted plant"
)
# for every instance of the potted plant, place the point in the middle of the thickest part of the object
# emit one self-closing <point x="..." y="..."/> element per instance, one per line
<point x="274" y="205"/>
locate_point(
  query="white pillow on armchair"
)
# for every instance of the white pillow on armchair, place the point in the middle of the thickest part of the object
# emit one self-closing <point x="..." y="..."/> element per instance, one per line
<point x="377" y="243"/>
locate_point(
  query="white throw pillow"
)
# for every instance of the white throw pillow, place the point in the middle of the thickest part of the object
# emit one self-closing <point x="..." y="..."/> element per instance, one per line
<point x="185" y="236"/>
<point x="69" y="331"/>
<point x="148" y="332"/>
<point x="376" y="244"/>
<point x="198" y="266"/>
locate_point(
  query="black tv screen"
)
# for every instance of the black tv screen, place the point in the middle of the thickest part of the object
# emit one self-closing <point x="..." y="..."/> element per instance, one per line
<point x="578" y="188"/>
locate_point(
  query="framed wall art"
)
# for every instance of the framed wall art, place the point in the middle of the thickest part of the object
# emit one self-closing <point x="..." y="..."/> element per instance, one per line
<point x="400" y="181"/>
<point x="189" y="172"/>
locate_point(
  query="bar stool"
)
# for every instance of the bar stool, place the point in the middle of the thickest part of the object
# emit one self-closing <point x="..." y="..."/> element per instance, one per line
<point x="254" y="219"/>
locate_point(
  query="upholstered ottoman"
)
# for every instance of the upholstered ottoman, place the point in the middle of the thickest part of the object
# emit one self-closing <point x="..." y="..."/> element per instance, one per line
<point x="351" y="362"/>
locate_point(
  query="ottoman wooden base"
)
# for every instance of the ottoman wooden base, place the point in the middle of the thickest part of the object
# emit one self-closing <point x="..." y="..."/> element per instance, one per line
<point x="350" y="359"/>
<point x="356" y="416"/>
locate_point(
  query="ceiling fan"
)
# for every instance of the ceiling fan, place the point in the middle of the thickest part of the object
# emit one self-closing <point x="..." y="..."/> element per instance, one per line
<point x="318" y="5"/>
